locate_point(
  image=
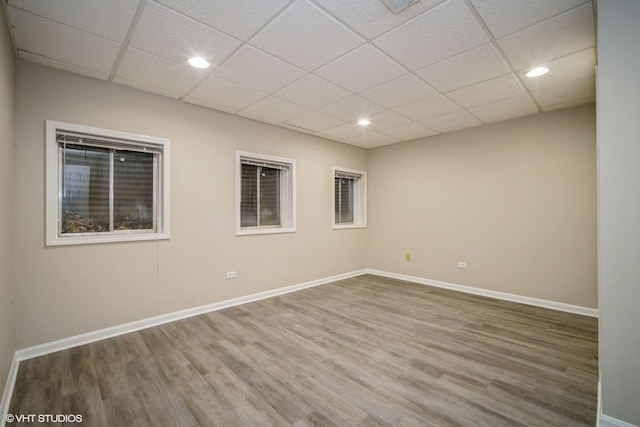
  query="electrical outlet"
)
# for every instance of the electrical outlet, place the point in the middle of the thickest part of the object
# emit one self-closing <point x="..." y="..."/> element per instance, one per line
<point x="231" y="275"/>
<point x="462" y="264"/>
<point x="407" y="257"/>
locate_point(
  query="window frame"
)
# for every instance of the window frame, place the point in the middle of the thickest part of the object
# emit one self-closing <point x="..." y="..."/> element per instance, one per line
<point x="53" y="173"/>
<point x="359" y="199"/>
<point x="287" y="195"/>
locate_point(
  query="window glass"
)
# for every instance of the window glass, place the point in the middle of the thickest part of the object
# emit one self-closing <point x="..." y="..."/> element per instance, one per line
<point x="344" y="200"/>
<point x="260" y="202"/>
<point x="269" y="196"/>
<point x="87" y="185"/>
<point x="85" y="192"/>
<point x="133" y="190"/>
<point x="249" y="198"/>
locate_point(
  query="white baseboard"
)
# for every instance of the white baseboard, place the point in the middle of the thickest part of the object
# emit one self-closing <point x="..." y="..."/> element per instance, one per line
<point x="560" y="306"/>
<point x="8" y="390"/>
<point x="607" y="421"/>
<point x="599" y="403"/>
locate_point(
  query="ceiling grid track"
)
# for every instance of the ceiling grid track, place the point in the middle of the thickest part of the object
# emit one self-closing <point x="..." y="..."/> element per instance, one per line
<point x="242" y="45"/>
<point x="501" y="53"/>
<point x="127" y="39"/>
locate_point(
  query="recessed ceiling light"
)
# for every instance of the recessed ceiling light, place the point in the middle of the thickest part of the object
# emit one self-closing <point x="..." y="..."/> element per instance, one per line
<point x="198" y="62"/>
<point x="364" y="122"/>
<point x="538" y="71"/>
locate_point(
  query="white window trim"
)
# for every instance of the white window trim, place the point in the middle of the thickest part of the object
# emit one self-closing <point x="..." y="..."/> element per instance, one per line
<point x="287" y="202"/>
<point x="52" y="196"/>
<point x="359" y="199"/>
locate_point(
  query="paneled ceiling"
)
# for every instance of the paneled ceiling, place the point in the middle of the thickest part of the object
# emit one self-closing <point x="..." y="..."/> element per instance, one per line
<point x="319" y="66"/>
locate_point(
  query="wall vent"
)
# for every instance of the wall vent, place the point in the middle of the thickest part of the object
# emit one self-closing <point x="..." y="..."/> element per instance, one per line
<point x="397" y="6"/>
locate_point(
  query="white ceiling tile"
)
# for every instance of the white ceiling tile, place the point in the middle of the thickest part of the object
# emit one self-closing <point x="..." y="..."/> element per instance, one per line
<point x="181" y="38"/>
<point x="274" y="110"/>
<point x="297" y="129"/>
<point x="387" y="119"/>
<point x="192" y="100"/>
<point x="506" y="16"/>
<point x="223" y="92"/>
<point x="473" y="66"/>
<point x="566" y="92"/>
<point x="409" y="131"/>
<point x="315" y="121"/>
<point x="306" y="37"/>
<point x="559" y="36"/>
<point x="138" y="66"/>
<point x="373" y="139"/>
<point x="344" y="131"/>
<point x="403" y="90"/>
<point x="520" y="105"/>
<point x="376" y="145"/>
<point x="434" y="106"/>
<point x="488" y="91"/>
<point x="336" y="139"/>
<point x="147" y="88"/>
<point x="438" y="34"/>
<point x="568" y="68"/>
<point x="361" y="69"/>
<point x="260" y="118"/>
<point x="258" y="70"/>
<point x="28" y="56"/>
<point x="60" y="42"/>
<point x="352" y="109"/>
<point x="239" y="18"/>
<point x="312" y="92"/>
<point x="87" y="15"/>
<point x="451" y="121"/>
<point x="371" y="17"/>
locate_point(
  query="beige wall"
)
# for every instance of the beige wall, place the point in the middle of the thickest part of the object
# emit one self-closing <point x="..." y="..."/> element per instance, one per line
<point x="7" y="158"/>
<point x="619" y="207"/>
<point x="65" y="291"/>
<point x="515" y="200"/>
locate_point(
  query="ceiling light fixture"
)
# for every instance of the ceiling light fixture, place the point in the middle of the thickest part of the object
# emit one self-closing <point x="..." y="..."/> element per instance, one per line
<point x="538" y="71"/>
<point x="198" y="62"/>
<point x="364" y="122"/>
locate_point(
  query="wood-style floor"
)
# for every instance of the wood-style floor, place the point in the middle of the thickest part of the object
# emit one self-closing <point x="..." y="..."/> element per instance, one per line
<point x="366" y="351"/>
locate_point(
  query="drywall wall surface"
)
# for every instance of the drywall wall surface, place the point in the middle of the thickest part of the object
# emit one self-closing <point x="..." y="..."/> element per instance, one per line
<point x="7" y="159"/>
<point x="515" y="201"/>
<point x="619" y="207"/>
<point x="65" y="291"/>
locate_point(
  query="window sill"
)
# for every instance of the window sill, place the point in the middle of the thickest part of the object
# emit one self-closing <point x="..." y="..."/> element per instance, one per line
<point x="348" y="226"/>
<point x="264" y="230"/>
<point x="113" y="238"/>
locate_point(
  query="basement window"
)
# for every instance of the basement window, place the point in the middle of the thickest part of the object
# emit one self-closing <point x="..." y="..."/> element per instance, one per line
<point x="105" y="186"/>
<point x="265" y="194"/>
<point x="349" y="198"/>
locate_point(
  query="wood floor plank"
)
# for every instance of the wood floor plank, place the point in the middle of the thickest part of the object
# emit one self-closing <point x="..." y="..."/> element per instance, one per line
<point x="86" y="402"/>
<point x="365" y="351"/>
<point x="207" y="402"/>
<point x="126" y="409"/>
<point x="163" y="403"/>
